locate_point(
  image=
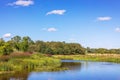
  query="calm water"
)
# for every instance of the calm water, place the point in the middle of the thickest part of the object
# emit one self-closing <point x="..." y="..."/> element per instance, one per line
<point x="79" y="70"/>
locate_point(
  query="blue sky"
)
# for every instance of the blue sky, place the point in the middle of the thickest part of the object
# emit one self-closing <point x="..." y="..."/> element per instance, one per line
<point x="93" y="23"/>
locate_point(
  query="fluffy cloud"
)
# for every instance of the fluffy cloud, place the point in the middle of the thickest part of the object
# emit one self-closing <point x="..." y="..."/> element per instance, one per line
<point x="22" y="3"/>
<point x="58" y="12"/>
<point x="117" y="29"/>
<point x="7" y="35"/>
<point x="104" y="18"/>
<point x="51" y="29"/>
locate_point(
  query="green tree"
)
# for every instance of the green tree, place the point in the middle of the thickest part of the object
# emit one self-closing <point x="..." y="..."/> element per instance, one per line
<point x="16" y="42"/>
<point x="6" y="48"/>
<point x="25" y="42"/>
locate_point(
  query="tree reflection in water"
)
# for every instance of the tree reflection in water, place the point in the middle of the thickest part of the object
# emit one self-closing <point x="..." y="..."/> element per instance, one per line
<point x="72" y="65"/>
<point x="22" y="75"/>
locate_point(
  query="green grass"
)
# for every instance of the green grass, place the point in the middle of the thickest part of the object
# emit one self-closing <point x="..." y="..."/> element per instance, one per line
<point x="33" y="62"/>
<point x="96" y="57"/>
<point x="41" y="62"/>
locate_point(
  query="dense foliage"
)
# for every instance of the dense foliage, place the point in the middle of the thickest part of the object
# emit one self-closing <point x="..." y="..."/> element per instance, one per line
<point x="25" y="44"/>
<point x="103" y="50"/>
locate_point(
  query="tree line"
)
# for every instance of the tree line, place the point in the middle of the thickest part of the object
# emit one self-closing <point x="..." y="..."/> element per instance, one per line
<point x="26" y="44"/>
<point x="103" y="50"/>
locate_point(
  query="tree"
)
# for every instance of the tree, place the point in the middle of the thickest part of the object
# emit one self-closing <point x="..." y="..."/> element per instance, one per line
<point x="16" y="39"/>
<point x="16" y="42"/>
<point x="25" y="42"/>
<point x="48" y="51"/>
<point x="2" y="42"/>
<point x="6" y="48"/>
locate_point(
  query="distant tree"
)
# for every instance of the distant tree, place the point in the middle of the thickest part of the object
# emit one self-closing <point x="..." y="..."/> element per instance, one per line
<point x="112" y="51"/>
<point x="40" y="46"/>
<point x="2" y="42"/>
<point x="6" y="48"/>
<point x="118" y="51"/>
<point x="16" y="40"/>
<point x="48" y="51"/>
<point x="25" y="43"/>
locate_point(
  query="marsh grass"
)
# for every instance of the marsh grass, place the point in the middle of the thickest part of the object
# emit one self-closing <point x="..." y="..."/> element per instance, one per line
<point x="29" y="62"/>
<point x="92" y="57"/>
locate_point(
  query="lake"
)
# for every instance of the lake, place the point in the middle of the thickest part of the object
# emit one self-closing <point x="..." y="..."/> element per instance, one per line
<point x="78" y="70"/>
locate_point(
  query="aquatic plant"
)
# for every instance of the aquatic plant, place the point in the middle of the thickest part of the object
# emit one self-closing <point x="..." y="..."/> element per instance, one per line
<point x="34" y="62"/>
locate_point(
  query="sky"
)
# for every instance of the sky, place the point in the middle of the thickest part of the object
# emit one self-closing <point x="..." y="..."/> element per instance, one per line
<point x="92" y="23"/>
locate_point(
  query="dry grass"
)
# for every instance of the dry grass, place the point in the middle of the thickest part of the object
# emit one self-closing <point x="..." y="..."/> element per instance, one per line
<point x="92" y="57"/>
<point x="105" y="55"/>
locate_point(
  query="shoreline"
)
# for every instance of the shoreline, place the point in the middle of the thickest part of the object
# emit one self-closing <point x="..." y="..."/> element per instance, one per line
<point x="92" y="57"/>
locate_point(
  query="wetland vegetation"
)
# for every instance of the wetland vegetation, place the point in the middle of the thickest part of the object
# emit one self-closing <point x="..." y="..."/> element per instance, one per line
<point x="22" y="53"/>
<point x="92" y="57"/>
<point x="37" y="62"/>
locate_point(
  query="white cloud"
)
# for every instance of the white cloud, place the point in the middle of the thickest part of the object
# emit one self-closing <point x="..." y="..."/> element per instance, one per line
<point x="117" y="29"/>
<point x="104" y="18"/>
<point x="7" y="35"/>
<point x="59" y="12"/>
<point x="51" y="29"/>
<point x="22" y="3"/>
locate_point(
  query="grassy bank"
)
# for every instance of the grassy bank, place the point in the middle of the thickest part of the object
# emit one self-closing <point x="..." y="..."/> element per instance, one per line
<point x="92" y="57"/>
<point x="37" y="62"/>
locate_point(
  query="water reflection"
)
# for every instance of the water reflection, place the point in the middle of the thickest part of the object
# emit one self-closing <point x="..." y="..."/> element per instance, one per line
<point x="79" y="70"/>
<point x="72" y="65"/>
<point x="23" y="75"/>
